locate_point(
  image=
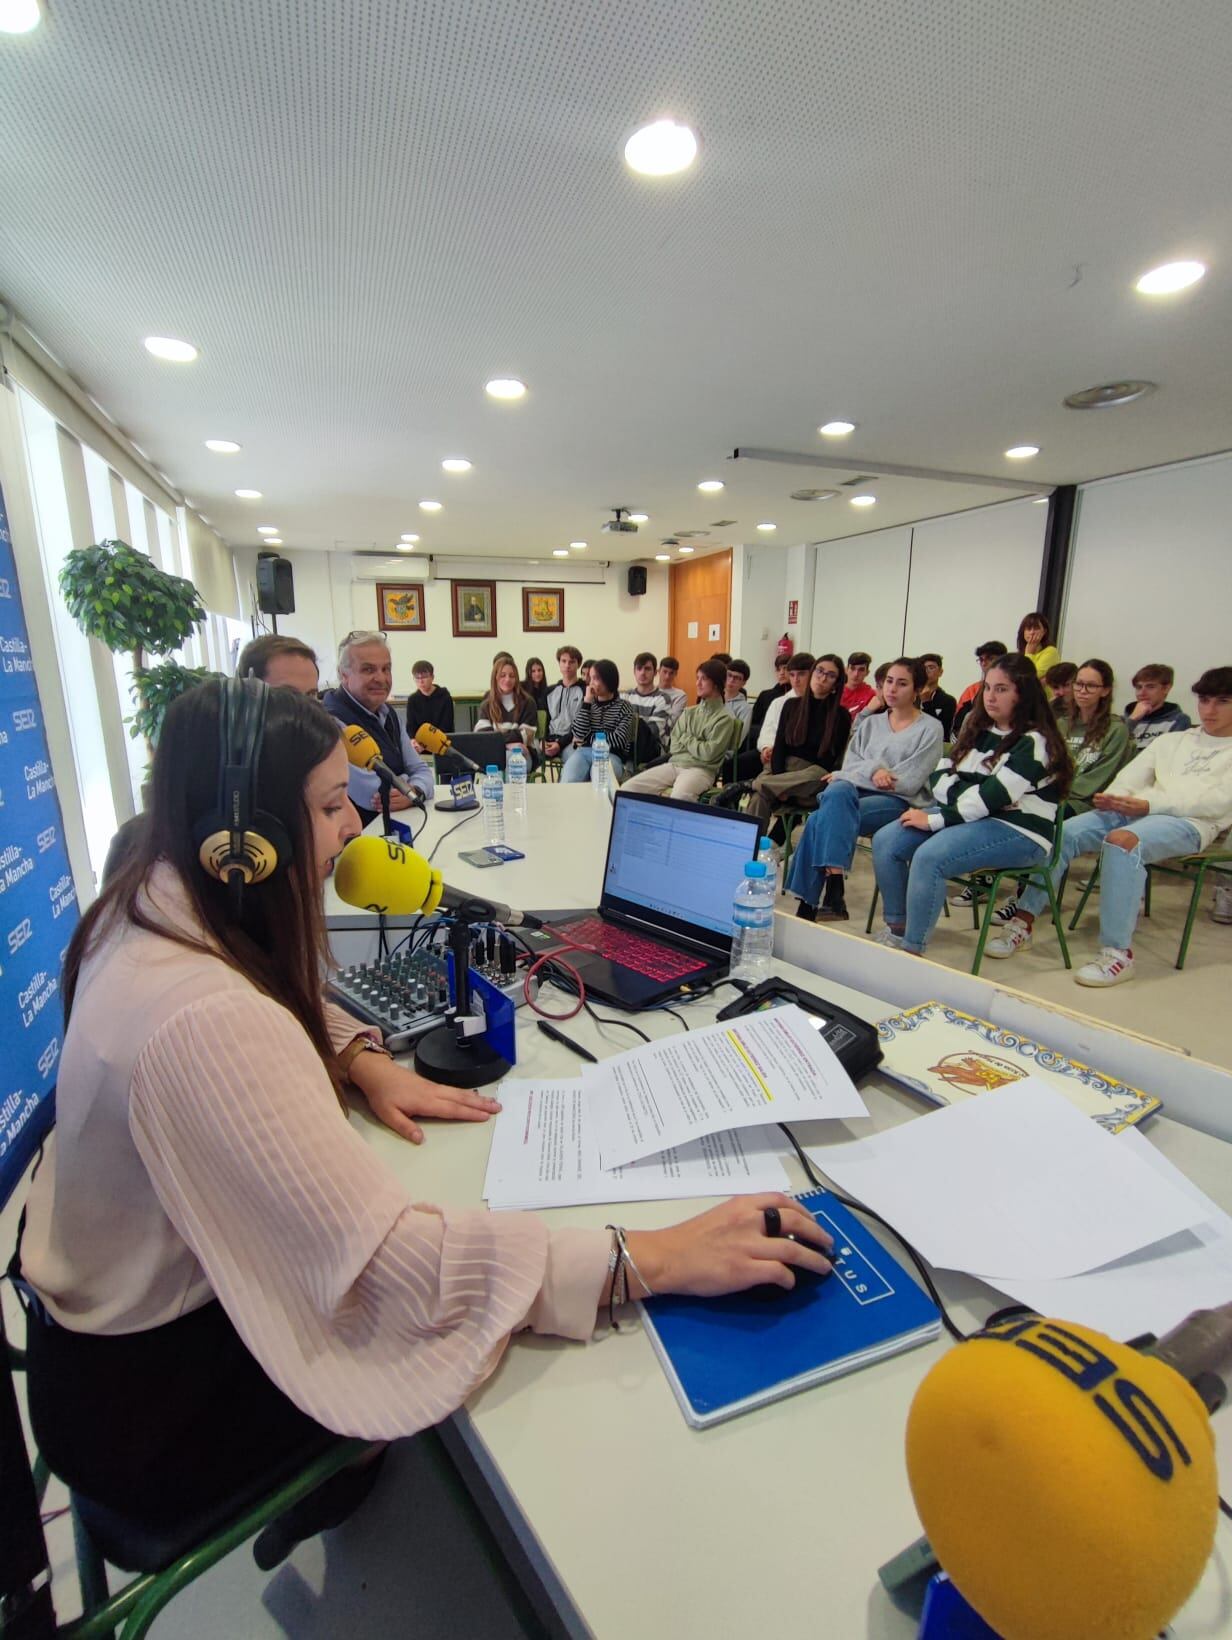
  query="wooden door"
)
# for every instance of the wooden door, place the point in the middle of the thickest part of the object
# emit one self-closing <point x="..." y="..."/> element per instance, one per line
<point x="698" y="601"/>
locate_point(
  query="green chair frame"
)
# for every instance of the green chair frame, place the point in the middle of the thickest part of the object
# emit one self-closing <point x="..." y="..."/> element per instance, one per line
<point x="1192" y="868"/>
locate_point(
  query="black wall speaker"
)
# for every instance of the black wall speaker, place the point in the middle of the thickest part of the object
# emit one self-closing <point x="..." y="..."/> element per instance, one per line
<point x="637" y="580"/>
<point x="275" y="585"/>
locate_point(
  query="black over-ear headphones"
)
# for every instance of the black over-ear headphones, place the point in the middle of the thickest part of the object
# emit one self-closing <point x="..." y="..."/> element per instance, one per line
<point x="239" y="843"/>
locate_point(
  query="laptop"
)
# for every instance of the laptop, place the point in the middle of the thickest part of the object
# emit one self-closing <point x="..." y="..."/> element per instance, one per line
<point x="664" y="919"/>
<point x="482" y="748"/>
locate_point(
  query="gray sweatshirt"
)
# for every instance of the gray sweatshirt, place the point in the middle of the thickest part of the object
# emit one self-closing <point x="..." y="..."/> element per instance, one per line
<point x="911" y="755"/>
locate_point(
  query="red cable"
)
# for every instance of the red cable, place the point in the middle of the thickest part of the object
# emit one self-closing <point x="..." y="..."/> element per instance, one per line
<point x="551" y="956"/>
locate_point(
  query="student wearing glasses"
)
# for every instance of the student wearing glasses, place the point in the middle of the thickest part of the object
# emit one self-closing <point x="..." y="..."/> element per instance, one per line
<point x="811" y="738"/>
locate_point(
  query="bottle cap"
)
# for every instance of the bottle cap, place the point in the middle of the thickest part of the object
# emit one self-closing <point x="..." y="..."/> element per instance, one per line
<point x="493" y="768"/>
<point x="754" y="868"/>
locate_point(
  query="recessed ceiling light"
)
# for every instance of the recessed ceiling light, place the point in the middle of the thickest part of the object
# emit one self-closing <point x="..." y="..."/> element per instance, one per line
<point x="505" y="387"/>
<point x="560" y="552"/>
<point x="1170" y="277"/>
<point x="249" y="495"/>
<point x="411" y="538"/>
<point x="661" y="149"/>
<point x="429" y="506"/>
<point x="456" y="464"/>
<point x="639" y="518"/>
<point x="405" y="546"/>
<point x="267" y="529"/>
<point x="864" y="500"/>
<point x="222" y="446"/>
<point x="709" y="486"/>
<point x="837" y="429"/>
<point x="688" y="549"/>
<point x="1021" y="452"/>
<point x="766" y="528"/>
<point x="663" y="557"/>
<point x="166" y="347"/>
<point x="19" y="16"/>
<point x="577" y="546"/>
<point x="1107" y="396"/>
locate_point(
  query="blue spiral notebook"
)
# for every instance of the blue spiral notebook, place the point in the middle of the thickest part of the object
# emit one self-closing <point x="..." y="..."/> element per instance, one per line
<point x="724" y="1356"/>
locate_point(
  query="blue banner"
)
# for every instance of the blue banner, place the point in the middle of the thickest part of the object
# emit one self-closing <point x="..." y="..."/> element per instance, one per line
<point x="38" y="903"/>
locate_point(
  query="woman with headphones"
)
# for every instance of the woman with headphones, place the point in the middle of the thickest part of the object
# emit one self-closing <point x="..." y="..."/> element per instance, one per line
<point x="221" y="1270"/>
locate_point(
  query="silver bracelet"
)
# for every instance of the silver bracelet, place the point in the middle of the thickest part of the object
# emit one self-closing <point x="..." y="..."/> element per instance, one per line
<point x="627" y="1258"/>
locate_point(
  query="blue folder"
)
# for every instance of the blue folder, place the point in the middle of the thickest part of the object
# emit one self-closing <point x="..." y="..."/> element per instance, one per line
<point x="724" y="1356"/>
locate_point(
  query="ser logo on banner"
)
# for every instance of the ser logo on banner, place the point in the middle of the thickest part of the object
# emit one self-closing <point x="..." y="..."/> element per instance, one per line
<point x="18" y="936"/>
<point x="27" y="718"/>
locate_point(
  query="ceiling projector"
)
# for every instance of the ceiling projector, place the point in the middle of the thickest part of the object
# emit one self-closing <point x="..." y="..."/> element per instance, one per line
<point x="620" y="525"/>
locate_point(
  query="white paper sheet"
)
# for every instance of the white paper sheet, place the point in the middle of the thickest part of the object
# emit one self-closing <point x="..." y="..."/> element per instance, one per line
<point x="545" y="1154"/>
<point x="1152" y="1290"/>
<point x="768" y="1067"/>
<point x="1015" y="1183"/>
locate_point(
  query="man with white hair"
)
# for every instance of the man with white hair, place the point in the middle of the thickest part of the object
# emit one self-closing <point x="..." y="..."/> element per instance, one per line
<point x="365" y="681"/>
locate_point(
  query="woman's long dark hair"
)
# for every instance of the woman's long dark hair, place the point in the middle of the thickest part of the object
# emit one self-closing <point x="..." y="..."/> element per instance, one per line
<point x="1034" y="619"/>
<point x="794" y="718"/>
<point x="1102" y="717"/>
<point x="537" y="691"/>
<point x="493" y="707"/>
<point x="1032" y="714"/>
<point x="278" y="938"/>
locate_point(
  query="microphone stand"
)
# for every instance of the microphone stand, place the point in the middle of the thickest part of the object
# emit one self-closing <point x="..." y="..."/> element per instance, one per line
<point x="448" y="1053"/>
<point x="387" y="824"/>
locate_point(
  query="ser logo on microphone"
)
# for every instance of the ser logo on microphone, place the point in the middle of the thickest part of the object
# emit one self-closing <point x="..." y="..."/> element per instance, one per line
<point x="1130" y="1410"/>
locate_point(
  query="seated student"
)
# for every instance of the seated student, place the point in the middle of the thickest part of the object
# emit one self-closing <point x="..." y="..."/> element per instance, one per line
<point x="227" y="1273"/>
<point x="1151" y="713"/>
<point x="365" y="682"/>
<point x="933" y="699"/>
<point x="429" y="704"/>
<point x="677" y="700"/>
<point x="877" y="704"/>
<point x="1034" y="641"/>
<point x="281" y="661"/>
<point x="734" y="693"/>
<point x="535" y="682"/>
<point x="776" y="691"/>
<point x="810" y="740"/>
<point x="603" y="709"/>
<point x="857" y="692"/>
<point x="700" y="741"/>
<point x="885" y="771"/>
<point x="508" y="710"/>
<point x="584" y="678"/>
<point x="649" y="701"/>
<point x="986" y="654"/>
<point x="722" y="657"/>
<point x="996" y="798"/>
<point x="759" y="741"/>
<point x="564" y="698"/>
<point x="1174" y="797"/>
<point x="1059" y="687"/>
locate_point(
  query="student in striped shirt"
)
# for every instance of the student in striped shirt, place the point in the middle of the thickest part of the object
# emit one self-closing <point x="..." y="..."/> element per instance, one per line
<point x="996" y="795"/>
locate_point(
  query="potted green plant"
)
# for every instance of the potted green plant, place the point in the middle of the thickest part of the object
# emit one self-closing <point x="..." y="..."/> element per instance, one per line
<point x="123" y="599"/>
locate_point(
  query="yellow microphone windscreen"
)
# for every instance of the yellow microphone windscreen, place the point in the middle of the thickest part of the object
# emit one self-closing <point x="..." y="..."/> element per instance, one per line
<point x="1066" y="1482"/>
<point x="361" y="749"/>
<point x="382" y="874"/>
<point x="432" y="740"/>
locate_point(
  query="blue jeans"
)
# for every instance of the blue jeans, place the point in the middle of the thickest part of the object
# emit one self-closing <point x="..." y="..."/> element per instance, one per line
<point x="912" y="867"/>
<point x="1122" y="872"/>
<point x="578" y="765"/>
<point x="844" y="812"/>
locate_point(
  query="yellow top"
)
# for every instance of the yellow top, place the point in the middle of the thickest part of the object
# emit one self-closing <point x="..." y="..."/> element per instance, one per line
<point x="1048" y="656"/>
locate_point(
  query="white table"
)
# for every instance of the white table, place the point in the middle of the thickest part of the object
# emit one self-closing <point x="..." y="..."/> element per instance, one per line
<point x="630" y="1522"/>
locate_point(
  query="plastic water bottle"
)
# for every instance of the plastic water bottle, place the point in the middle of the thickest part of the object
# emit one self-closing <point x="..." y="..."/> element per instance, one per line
<point x="493" y="805"/>
<point x="515" y="771"/>
<point x="765" y="853"/>
<point x="600" y="763"/>
<point x="753" y="924"/>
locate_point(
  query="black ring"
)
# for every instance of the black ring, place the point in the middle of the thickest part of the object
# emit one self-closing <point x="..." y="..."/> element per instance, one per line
<point x="774" y="1221"/>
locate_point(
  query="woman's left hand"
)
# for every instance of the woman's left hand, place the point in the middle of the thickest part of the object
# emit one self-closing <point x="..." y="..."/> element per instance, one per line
<point x="883" y="780"/>
<point x="396" y="1094"/>
<point x="915" y="817"/>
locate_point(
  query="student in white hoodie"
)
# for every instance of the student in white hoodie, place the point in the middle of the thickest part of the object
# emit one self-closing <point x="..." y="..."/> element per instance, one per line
<point x="1174" y="798"/>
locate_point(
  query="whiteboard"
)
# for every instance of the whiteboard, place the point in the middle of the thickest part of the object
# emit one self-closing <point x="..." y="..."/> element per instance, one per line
<point x="860" y="594"/>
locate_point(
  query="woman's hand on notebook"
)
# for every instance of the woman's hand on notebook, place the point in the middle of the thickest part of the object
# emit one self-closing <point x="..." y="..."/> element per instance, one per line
<point x="726" y="1249"/>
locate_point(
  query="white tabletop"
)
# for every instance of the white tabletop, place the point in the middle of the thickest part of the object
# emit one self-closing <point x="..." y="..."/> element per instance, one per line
<point x="778" y="1518"/>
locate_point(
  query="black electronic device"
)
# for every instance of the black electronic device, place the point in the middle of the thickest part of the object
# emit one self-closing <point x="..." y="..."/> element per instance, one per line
<point x="853" y="1040"/>
<point x="637" y="580"/>
<point x="239" y="842"/>
<point x="478" y="749"/>
<point x="409" y="993"/>
<point x="275" y="585"/>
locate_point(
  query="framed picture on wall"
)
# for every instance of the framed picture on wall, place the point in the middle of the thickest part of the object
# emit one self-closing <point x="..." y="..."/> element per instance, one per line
<point x="400" y="606"/>
<point x="543" y="609"/>
<point x="474" y="608"/>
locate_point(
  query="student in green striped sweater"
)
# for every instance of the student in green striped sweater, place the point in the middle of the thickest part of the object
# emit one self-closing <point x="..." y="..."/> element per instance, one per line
<point x="996" y="795"/>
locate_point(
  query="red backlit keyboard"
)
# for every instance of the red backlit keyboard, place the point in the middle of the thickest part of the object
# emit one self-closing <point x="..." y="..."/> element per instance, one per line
<point x="633" y="951"/>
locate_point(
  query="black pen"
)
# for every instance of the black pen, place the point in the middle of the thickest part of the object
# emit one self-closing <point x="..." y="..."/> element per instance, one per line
<point x="566" y="1041"/>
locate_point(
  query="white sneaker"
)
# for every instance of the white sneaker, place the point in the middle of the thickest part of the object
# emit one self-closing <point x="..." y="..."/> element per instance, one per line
<point x="1221" y="911"/>
<point x="1015" y="936"/>
<point x="1007" y="912"/>
<point x="963" y="900"/>
<point x="887" y="936"/>
<point x="1109" y="968"/>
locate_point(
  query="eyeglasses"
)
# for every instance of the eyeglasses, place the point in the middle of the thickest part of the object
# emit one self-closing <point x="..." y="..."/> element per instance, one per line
<point x="1087" y="688"/>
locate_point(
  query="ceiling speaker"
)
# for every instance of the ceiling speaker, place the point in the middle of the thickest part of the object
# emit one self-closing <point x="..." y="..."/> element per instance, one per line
<point x="637" y="580"/>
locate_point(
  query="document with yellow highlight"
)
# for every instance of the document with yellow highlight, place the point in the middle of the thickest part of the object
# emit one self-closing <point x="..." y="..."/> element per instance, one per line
<point x="768" y="1067"/>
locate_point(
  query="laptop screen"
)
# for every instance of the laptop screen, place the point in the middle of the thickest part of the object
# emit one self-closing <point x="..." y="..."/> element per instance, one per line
<point x="677" y="866"/>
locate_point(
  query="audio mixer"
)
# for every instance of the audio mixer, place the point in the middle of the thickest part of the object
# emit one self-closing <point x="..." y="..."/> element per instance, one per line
<point x="408" y="993"/>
